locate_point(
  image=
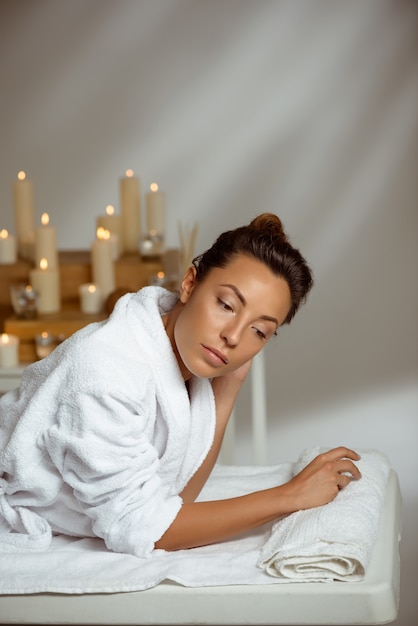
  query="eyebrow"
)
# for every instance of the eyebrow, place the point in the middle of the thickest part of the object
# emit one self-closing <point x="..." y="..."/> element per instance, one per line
<point x="244" y="303"/>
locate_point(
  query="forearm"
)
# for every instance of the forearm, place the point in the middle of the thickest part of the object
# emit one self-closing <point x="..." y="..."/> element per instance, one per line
<point x="202" y="523"/>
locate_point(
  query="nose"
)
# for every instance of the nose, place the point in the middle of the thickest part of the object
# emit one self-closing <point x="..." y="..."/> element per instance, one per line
<point x="231" y="334"/>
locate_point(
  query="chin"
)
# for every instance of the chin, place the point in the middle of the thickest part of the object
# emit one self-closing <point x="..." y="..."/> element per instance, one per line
<point x="201" y="370"/>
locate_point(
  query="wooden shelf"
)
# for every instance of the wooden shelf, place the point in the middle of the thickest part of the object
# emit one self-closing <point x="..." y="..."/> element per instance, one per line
<point x="132" y="272"/>
<point x="62" y="324"/>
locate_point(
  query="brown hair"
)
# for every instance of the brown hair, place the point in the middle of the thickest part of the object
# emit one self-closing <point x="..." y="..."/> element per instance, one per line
<point x="265" y="240"/>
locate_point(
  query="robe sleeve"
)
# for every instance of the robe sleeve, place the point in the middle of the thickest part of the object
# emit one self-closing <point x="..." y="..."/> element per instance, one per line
<point x="102" y="449"/>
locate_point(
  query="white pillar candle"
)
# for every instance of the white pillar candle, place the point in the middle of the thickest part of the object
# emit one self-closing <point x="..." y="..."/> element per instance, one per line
<point x="46" y="243"/>
<point x="155" y="202"/>
<point x="130" y="207"/>
<point x="24" y="214"/>
<point x="46" y="282"/>
<point x="91" y="299"/>
<point x="9" y="350"/>
<point x="8" y="247"/>
<point x="102" y="266"/>
<point x="112" y="223"/>
<point x="114" y="246"/>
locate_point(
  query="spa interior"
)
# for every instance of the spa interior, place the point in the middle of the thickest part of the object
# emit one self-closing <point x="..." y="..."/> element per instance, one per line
<point x="134" y="132"/>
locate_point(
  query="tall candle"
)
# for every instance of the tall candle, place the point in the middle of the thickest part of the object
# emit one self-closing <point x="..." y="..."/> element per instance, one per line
<point x="91" y="299"/>
<point x="130" y="206"/>
<point x="112" y="223"/>
<point x="103" y="269"/>
<point x="9" y="350"/>
<point x="46" y="243"/>
<point x="46" y="282"/>
<point x="155" y="202"/>
<point x="24" y="214"/>
<point x="8" y="248"/>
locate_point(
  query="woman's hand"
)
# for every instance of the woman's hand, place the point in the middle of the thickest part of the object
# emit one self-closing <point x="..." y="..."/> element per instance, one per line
<point x="319" y="482"/>
<point x="200" y="523"/>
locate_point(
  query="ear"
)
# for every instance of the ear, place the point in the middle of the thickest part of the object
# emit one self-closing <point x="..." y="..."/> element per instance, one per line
<point x="187" y="284"/>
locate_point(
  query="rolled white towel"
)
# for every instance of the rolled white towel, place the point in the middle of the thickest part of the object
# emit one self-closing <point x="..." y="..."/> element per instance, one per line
<point x="334" y="541"/>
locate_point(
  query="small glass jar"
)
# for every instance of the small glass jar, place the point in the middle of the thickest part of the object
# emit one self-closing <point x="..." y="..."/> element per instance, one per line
<point x="45" y="343"/>
<point x="24" y="301"/>
<point x="152" y="244"/>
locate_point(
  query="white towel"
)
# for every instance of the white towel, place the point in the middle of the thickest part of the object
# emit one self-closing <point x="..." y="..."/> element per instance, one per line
<point x="72" y="565"/>
<point x="334" y="541"/>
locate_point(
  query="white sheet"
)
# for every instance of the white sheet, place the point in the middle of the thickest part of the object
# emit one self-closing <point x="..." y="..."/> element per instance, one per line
<point x="375" y="600"/>
<point x="72" y="565"/>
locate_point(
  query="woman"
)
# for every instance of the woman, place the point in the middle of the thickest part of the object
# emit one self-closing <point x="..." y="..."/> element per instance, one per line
<point x="115" y="433"/>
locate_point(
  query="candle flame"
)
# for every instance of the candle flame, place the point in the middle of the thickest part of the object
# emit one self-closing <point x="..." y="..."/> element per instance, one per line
<point x="43" y="264"/>
<point x="110" y="209"/>
<point x="160" y="274"/>
<point x="91" y="288"/>
<point x="4" y="234"/>
<point x="44" y="334"/>
<point x="102" y="233"/>
<point x="5" y="338"/>
<point x="21" y="175"/>
<point x="45" y="219"/>
<point x="129" y="173"/>
<point x="153" y="187"/>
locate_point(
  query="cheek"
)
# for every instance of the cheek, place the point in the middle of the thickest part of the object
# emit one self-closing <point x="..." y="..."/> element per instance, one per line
<point x="184" y="332"/>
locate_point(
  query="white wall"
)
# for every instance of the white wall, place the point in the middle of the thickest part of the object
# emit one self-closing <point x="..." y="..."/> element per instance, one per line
<point x="306" y="108"/>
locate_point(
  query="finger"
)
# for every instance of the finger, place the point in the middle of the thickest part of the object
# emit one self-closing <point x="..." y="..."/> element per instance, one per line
<point x="343" y="481"/>
<point x="345" y="466"/>
<point x="340" y="453"/>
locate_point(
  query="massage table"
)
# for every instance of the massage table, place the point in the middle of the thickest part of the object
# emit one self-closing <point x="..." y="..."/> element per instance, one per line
<point x="373" y="600"/>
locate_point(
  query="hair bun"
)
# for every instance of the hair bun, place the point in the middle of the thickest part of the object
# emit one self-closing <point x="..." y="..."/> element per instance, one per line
<point x="269" y="223"/>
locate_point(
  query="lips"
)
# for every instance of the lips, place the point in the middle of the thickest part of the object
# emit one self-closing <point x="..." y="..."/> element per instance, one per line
<point x="216" y="356"/>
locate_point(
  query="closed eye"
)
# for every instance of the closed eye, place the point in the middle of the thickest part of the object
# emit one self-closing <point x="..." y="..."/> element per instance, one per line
<point x="224" y="305"/>
<point x="260" y="333"/>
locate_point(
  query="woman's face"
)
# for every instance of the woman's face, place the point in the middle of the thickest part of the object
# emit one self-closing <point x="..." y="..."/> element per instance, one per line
<point x="227" y="318"/>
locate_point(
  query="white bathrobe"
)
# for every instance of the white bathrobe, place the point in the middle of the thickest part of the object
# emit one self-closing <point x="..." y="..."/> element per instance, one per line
<point x="101" y="436"/>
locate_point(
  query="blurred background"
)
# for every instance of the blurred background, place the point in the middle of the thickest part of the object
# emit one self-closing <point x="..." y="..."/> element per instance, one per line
<point x="306" y="108"/>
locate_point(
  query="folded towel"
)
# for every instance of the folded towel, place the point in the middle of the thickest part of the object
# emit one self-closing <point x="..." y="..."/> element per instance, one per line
<point x="334" y="541"/>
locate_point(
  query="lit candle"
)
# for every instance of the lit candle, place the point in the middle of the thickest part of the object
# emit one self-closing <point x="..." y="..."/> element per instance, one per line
<point x="9" y="350"/>
<point x="24" y="215"/>
<point x="102" y="266"/>
<point x="130" y="206"/>
<point x="46" y="282"/>
<point x="91" y="299"/>
<point x="46" y="243"/>
<point x="158" y="280"/>
<point x="8" y="248"/>
<point x="155" y="210"/>
<point x="112" y="223"/>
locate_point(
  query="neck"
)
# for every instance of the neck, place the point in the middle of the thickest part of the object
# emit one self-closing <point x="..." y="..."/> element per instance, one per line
<point x="169" y="321"/>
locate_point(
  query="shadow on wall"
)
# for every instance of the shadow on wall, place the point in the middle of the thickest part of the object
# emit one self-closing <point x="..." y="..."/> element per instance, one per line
<point x="358" y="330"/>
